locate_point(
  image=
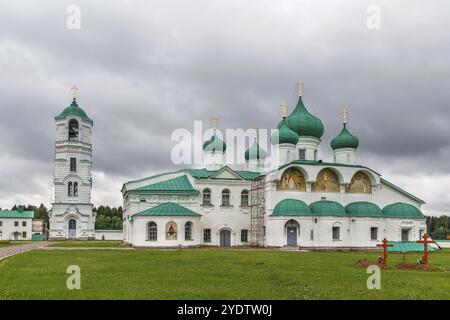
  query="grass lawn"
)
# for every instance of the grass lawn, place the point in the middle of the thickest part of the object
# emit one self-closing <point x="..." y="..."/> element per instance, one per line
<point x="14" y="242"/>
<point x="90" y="243"/>
<point x="215" y="274"/>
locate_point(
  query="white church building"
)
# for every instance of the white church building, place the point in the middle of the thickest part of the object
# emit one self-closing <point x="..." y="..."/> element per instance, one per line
<point x="302" y="202"/>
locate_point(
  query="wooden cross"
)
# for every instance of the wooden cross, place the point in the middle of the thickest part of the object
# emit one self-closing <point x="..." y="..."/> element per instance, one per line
<point x="344" y="115"/>
<point x="74" y="91"/>
<point x="385" y="245"/>
<point x="300" y="88"/>
<point x="426" y="240"/>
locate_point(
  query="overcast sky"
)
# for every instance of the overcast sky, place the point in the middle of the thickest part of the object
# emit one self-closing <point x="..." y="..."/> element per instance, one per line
<point x="146" y="68"/>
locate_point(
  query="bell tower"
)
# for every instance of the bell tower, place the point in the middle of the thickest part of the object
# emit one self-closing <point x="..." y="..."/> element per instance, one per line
<point x="72" y="216"/>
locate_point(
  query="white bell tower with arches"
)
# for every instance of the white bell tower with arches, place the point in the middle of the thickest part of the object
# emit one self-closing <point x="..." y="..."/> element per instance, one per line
<point x="72" y="216"/>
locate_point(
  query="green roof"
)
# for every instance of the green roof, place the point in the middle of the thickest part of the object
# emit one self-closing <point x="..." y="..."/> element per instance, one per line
<point x="345" y="140"/>
<point x="408" y="246"/>
<point x="255" y="152"/>
<point x="74" y="110"/>
<point x="303" y="122"/>
<point x="402" y="210"/>
<point x="206" y="174"/>
<point x="327" y="208"/>
<point x="16" y="214"/>
<point x="175" y="185"/>
<point x="168" y="209"/>
<point x="291" y="207"/>
<point x="364" y="209"/>
<point x="284" y="134"/>
<point x="214" y="144"/>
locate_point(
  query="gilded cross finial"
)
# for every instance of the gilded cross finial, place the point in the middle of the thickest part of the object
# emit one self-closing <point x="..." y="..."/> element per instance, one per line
<point x="255" y="131"/>
<point x="214" y="123"/>
<point x="300" y="88"/>
<point x="74" y="91"/>
<point x="344" y="115"/>
<point x="283" y="108"/>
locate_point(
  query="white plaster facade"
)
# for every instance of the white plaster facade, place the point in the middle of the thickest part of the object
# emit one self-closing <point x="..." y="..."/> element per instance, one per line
<point x="15" y="227"/>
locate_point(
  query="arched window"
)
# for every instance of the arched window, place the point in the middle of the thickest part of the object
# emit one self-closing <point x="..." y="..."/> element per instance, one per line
<point x="207" y="197"/>
<point x="73" y="130"/>
<point x="225" y="197"/>
<point x="152" y="231"/>
<point x="75" y="188"/>
<point x="188" y="231"/>
<point x="69" y="188"/>
<point x="244" y="198"/>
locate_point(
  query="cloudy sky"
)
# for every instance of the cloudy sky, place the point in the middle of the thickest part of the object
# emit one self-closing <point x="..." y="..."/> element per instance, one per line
<point x="146" y="68"/>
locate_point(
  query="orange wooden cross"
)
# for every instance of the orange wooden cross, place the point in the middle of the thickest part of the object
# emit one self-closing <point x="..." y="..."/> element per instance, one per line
<point x="385" y="245"/>
<point x="426" y="240"/>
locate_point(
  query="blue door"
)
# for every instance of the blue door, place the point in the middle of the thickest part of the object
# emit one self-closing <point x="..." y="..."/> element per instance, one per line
<point x="291" y="236"/>
<point x="225" y="238"/>
<point x="72" y="229"/>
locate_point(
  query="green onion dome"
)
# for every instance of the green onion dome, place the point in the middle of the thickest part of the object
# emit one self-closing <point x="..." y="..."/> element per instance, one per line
<point x="364" y="209"/>
<point x="327" y="208"/>
<point x="255" y="152"/>
<point x="284" y="134"/>
<point x="303" y="122"/>
<point x="74" y="110"/>
<point x="402" y="210"/>
<point x="345" y="140"/>
<point x="214" y="144"/>
<point x="291" y="207"/>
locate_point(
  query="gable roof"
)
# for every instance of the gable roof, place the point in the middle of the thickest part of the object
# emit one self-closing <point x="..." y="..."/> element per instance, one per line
<point x="16" y="214"/>
<point x="168" y="209"/>
<point x="208" y="174"/>
<point x="175" y="185"/>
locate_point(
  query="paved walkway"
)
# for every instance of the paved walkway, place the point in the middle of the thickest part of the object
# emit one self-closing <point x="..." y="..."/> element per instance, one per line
<point x="19" y="248"/>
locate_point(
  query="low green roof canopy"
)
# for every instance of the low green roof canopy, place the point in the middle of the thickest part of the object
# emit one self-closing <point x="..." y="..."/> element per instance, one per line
<point x="364" y="209"/>
<point x="402" y="210"/>
<point x="291" y="207"/>
<point x="16" y="214"/>
<point x="169" y="209"/>
<point x="408" y="246"/>
<point x="327" y="208"/>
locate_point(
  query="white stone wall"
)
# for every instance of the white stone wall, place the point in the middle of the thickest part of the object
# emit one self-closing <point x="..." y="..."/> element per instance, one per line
<point x="108" y="235"/>
<point x="8" y="228"/>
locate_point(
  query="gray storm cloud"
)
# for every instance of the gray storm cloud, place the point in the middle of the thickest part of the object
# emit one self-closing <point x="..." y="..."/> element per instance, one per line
<point x="146" y="68"/>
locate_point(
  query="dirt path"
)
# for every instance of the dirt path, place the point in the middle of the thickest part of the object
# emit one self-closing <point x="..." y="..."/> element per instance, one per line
<point x="19" y="248"/>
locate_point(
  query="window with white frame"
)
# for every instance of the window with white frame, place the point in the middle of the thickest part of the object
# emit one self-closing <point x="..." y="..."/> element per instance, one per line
<point x="207" y="197"/>
<point x="244" y="198"/>
<point x="336" y="233"/>
<point x="188" y="231"/>
<point x="225" y="197"/>
<point x="244" y="235"/>
<point x="373" y="233"/>
<point x="207" y="235"/>
<point x="302" y="154"/>
<point x="152" y="231"/>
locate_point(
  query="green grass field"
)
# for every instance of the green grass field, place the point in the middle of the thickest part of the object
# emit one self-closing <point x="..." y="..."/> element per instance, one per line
<point x="215" y="274"/>
<point x="12" y="243"/>
<point x="89" y="244"/>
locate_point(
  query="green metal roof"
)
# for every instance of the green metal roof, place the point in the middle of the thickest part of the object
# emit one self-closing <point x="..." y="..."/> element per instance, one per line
<point x="303" y="122"/>
<point x="175" y="185"/>
<point x="206" y="174"/>
<point x="74" y="110"/>
<point x="16" y="214"/>
<point x="284" y="134"/>
<point x="215" y="144"/>
<point x="327" y="208"/>
<point x="408" y="246"/>
<point x="402" y="210"/>
<point x="168" y="209"/>
<point x="255" y="152"/>
<point x="344" y="140"/>
<point x="364" y="209"/>
<point x="291" y="207"/>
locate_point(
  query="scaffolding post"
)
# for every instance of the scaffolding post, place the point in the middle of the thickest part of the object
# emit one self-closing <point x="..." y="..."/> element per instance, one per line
<point x="257" y="213"/>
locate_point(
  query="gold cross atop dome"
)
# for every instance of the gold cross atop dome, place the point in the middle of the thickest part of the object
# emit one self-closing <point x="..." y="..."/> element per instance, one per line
<point x="214" y="123"/>
<point x="255" y="131"/>
<point x="283" y="109"/>
<point x="344" y="115"/>
<point x="300" y="88"/>
<point x="74" y="91"/>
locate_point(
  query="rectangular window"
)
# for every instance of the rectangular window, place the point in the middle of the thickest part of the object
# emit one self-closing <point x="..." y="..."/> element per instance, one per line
<point x="336" y="231"/>
<point x="1" y="223"/>
<point x="374" y="233"/>
<point x="244" y="235"/>
<point x="302" y="154"/>
<point x="405" y="234"/>
<point x="315" y="155"/>
<point x="73" y="164"/>
<point x="311" y="235"/>
<point x="206" y="235"/>
<point x="24" y="234"/>
<point x="16" y="223"/>
<point x="24" y="223"/>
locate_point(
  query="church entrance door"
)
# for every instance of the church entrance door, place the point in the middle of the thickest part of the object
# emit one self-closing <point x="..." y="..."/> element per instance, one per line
<point x="72" y="229"/>
<point x="291" y="236"/>
<point x="225" y="238"/>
